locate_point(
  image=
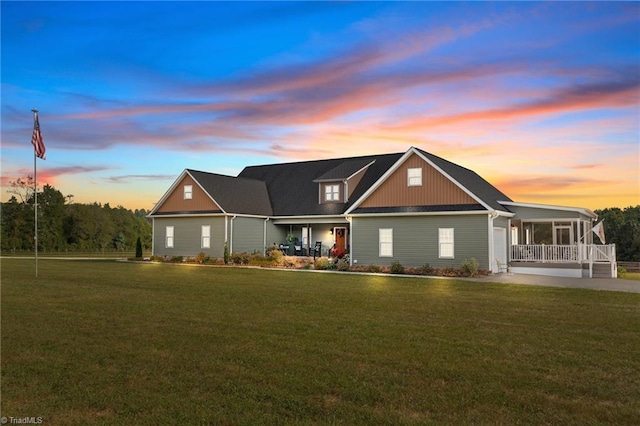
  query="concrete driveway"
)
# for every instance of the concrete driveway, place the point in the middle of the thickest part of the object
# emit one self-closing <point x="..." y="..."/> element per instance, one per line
<point x="611" y="284"/>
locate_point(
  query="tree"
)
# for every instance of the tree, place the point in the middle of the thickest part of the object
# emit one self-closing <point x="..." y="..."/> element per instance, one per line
<point x="138" y="248"/>
<point x="622" y="228"/>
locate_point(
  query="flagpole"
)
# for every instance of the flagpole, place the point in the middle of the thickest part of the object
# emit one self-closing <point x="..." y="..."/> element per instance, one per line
<point x="35" y="191"/>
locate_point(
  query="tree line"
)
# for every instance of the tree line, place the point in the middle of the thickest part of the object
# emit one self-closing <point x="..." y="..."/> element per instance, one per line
<point x="622" y="228"/>
<point x="65" y="226"/>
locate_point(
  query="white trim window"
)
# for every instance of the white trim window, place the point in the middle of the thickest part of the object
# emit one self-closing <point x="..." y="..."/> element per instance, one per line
<point x="188" y="192"/>
<point x="445" y="243"/>
<point x="385" y="242"/>
<point x="414" y="176"/>
<point x="205" y="236"/>
<point x="168" y="242"/>
<point x="332" y="192"/>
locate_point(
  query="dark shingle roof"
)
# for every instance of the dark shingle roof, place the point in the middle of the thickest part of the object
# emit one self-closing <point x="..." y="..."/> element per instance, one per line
<point x="344" y="169"/>
<point x="235" y="194"/>
<point x="293" y="187"/>
<point x="482" y="189"/>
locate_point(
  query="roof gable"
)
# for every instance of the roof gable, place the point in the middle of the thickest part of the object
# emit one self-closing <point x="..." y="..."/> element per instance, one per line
<point x="173" y="200"/>
<point x="478" y="190"/>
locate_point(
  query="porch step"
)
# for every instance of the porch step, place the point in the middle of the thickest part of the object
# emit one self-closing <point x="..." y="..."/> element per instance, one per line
<point x="602" y="270"/>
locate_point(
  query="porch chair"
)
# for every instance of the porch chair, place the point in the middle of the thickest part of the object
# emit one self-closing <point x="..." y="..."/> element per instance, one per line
<point x="297" y="250"/>
<point x="317" y="250"/>
<point x="503" y="268"/>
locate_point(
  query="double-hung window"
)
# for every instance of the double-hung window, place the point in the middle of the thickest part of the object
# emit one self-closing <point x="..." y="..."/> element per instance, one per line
<point x="206" y="236"/>
<point x="332" y="192"/>
<point x="169" y="237"/>
<point x="414" y="176"/>
<point x="385" y="242"/>
<point x="445" y="243"/>
<point x="188" y="192"/>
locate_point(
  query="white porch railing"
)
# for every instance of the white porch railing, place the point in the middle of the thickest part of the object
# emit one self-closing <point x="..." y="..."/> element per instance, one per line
<point x="563" y="253"/>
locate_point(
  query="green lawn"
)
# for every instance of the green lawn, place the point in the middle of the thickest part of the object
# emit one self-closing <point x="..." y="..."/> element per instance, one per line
<point x="104" y="342"/>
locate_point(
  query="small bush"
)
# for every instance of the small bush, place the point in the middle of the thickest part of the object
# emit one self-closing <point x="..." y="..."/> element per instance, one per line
<point x="258" y="259"/>
<point x="202" y="258"/>
<point x="177" y="259"/>
<point x="276" y="256"/>
<point x="322" y="263"/>
<point x="240" y="258"/>
<point x="425" y="269"/>
<point x="138" y="248"/>
<point x="342" y="265"/>
<point x="397" y="268"/>
<point x="226" y="253"/>
<point x="470" y="267"/>
<point x="376" y="269"/>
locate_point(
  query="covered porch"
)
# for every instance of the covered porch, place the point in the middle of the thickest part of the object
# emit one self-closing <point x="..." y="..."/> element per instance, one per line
<point x="559" y="247"/>
<point x="302" y="236"/>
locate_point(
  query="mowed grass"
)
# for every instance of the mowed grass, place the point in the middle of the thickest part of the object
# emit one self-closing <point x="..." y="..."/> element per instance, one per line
<point x="104" y="342"/>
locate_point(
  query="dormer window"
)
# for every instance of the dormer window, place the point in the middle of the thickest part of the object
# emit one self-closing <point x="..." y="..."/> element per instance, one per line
<point x="188" y="192"/>
<point x="332" y="192"/>
<point x="414" y="176"/>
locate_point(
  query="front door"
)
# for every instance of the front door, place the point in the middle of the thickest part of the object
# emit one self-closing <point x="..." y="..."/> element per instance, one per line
<point x="341" y="238"/>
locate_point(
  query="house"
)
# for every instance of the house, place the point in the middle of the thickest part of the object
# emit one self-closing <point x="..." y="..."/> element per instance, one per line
<point x="413" y="207"/>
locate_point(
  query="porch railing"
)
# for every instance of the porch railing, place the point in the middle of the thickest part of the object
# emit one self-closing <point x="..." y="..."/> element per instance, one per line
<point x="562" y="253"/>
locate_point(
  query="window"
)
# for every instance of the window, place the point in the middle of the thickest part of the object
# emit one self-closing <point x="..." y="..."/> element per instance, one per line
<point x="169" y="237"/>
<point x="188" y="192"/>
<point x="445" y="243"/>
<point x="386" y="242"/>
<point x="332" y="193"/>
<point x="206" y="236"/>
<point x="414" y="177"/>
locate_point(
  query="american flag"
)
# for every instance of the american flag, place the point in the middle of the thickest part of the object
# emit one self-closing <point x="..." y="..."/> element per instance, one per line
<point x="36" y="138"/>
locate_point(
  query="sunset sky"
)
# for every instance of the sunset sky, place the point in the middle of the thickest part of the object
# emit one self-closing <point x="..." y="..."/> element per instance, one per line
<point x="541" y="99"/>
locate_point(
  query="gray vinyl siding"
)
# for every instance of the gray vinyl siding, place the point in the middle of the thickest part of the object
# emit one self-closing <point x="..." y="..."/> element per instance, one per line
<point x="187" y="236"/>
<point x="275" y="234"/>
<point x="247" y="234"/>
<point x="415" y="240"/>
<point x="528" y="213"/>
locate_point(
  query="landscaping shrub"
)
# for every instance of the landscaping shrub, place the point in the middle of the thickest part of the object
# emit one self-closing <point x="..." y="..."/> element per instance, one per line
<point x="322" y="263"/>
<point x="342" y="265"/>
<point x="470" y="267"/>
<point x="258" y="259"/>
<point x="240" y="258"/>
<point x="226" y="253"/>
<point x="177" y="259"/>
<point x="448" y="271"/>
<point x="397" y="268"/>
<point x="201" y="258"/>
<point x="425" y="269"/>
<point x="139" y="249"/>
<point x="275" y="255"/>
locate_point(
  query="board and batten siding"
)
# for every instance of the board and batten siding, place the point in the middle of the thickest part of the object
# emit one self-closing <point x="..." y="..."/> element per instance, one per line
<point x="187" y="232"/>
<point x="436" y="189"/>
<point x="199" y="202"/>
<point x="415" y="240"/>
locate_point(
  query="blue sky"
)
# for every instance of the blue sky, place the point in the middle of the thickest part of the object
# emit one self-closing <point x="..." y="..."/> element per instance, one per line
<point x="541" y="99"/>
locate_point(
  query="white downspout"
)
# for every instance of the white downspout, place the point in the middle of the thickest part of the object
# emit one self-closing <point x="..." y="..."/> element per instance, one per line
<point x="492" y="215"/>
<point x="153" y="236"/>
<point x="349" y="219"/>
<point x="264" y="240"/>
